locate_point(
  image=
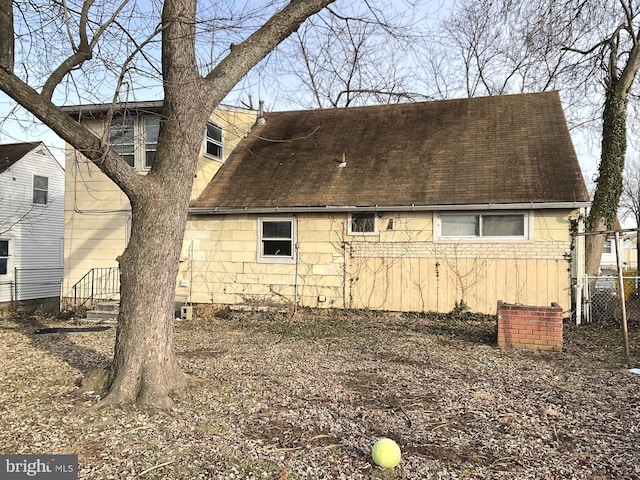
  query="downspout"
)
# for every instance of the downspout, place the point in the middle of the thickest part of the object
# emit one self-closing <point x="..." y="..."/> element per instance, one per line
<point x="580" y="269"/>
<point x="295" y="278"/>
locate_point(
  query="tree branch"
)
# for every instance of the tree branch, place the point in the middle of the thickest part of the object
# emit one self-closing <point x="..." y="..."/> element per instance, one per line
<point x="247" y="54"/>
<point x="84" y="50"/>
<point x="72" y="132"/>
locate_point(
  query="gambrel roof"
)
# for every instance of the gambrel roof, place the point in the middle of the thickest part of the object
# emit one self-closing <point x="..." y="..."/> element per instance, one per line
<point x="493" y="151"/>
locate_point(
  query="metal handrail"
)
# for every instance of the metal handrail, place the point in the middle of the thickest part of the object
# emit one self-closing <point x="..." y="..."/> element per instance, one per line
<point x="97" y="284"/>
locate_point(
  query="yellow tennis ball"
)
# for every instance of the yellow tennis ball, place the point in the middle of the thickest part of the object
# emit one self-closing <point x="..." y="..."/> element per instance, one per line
<point x="386" y="453"/>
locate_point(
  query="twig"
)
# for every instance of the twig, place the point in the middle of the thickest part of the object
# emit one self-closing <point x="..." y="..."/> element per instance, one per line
<point x="150" y="469"/>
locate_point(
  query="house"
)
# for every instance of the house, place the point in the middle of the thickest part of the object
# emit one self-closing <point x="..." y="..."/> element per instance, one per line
<point x="407" y="207"/>
<point x="97" y="213"/>
<point x="628" y="254"/>
<point x="31" y="225"/>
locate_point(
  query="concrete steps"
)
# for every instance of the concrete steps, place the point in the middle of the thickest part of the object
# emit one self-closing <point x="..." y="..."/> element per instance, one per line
<point x="105" y="313"/>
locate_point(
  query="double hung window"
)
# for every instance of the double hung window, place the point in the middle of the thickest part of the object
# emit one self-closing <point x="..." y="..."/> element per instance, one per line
<point x="40" y="190"/>
<point x="275" y="240"/>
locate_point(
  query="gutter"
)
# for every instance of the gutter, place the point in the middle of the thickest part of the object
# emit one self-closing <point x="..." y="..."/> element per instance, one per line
<point x="388" y="208"/>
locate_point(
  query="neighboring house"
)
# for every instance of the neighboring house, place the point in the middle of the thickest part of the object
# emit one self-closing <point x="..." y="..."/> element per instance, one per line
<point x="628" y="254"/>
<point x="409" y="207"/>
<point x="97" y="214"/>
<point x="31" y="224"/>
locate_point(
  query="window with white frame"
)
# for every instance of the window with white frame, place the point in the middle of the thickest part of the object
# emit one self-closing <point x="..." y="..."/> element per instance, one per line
<point x="213" y="141"/>
<point x="362" y="223"/>
<point x="484" y="225"/>
<point x="122" y="138"/>
<point x="275" y="240"/>
<point x="151" y="131"/>
<point x="608" y="246"/>
<point x="4" y="257"/>
<point x="40" y="190"/>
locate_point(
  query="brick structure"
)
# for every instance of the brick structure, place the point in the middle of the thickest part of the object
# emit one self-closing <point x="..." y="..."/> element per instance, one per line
<point x="529" y="327"/>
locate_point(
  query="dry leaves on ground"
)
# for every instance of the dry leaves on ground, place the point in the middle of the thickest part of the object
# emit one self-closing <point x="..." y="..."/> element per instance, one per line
<point x="306" y="398"/>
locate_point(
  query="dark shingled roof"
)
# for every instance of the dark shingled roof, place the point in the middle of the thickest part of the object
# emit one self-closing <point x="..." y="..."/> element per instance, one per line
<point x="10" y="153"/>
<point x="493" y="150"/>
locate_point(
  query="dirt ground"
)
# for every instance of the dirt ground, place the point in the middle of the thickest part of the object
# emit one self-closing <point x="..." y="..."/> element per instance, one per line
<point x="306" y="398"/>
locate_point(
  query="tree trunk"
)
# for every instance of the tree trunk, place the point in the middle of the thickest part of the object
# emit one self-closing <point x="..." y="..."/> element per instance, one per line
<point x="609" y="185"/>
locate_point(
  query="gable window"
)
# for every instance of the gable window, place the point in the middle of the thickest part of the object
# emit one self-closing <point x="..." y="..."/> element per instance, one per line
<point x="151" y="131"/>
<point x="275" y="240"/>
<point x="362" y="223"/>
<point x="40" y="189"/>
<point x="484" y="225"/>
<point x="213" y="141"/>
<point x="4" y="256"/>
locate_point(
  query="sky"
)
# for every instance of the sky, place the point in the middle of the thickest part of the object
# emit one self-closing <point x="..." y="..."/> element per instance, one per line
<point x="23" y="127"/>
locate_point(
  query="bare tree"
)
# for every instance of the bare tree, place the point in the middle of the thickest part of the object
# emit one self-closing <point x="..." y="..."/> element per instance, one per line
<point x="356" y="57"/>
<point x="152" y="39"/>
<point x="586" y="48"/>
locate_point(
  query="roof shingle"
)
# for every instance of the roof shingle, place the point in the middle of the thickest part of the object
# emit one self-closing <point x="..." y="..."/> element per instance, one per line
<point x="492" y="150"/>
<point x="10" y="153"/>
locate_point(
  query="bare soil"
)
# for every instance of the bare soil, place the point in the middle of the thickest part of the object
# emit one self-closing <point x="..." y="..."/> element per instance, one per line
<point x="276" y="397"/>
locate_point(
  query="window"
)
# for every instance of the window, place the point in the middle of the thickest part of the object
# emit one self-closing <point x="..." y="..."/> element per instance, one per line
<point x="276" y="239"/>
<point x="151" y="131"/>
<point x="607" y="247"/>
<point x="40" y="189"/>
<point x="362" y="223"/>
<point x="4" y="256"/>
<point x="213" y="141"/>
<point x="121" y="138"/>
<point x="505" y="225"/>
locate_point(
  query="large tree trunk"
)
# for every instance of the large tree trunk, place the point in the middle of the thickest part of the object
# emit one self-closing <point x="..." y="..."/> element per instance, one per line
<point x="609" y="186"/>
<point x="145" y="369"/>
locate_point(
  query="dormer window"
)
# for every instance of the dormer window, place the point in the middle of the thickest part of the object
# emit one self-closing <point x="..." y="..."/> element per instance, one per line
<point x="213" y="141"/>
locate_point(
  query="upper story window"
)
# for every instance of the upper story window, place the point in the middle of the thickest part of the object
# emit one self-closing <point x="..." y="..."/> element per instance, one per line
<point x="40" y="189"/>
<point x="608" y="246"/>
<point x="213" y="141"/>
<point x="135" y="139"/>
<point x="275" y="240"/>
<point x="122" y="138"/>
<point x="151" y="131"/>
<point x="362" y="223"/>
<point x="4" y="256"/>
<point x="484" y="225"/>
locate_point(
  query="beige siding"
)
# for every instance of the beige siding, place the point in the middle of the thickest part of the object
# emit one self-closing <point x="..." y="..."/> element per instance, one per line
<point x="97" y="212"/>
<point x="401" y="268"/>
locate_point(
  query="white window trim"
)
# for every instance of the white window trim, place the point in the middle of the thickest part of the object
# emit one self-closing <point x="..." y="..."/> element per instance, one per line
<point x="8" y="257"/>
<point x="221" y="144"/>
<point x="142" y="125"/>
<point x="33" y="190"/>
<point x="375" y="224"/>
<point x="276" y="258"/>
<point x="528" y="227"/>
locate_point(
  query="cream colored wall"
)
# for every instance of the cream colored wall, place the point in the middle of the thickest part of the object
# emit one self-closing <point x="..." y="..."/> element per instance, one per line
<point x="97" y="213"/>
<point x="401" y="268"/>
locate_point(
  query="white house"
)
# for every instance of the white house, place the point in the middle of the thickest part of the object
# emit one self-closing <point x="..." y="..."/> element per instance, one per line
<point x="31" y="224"/>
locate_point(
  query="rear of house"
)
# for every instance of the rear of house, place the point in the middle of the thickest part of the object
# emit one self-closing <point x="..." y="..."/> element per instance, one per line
<point x="412" y="207"/>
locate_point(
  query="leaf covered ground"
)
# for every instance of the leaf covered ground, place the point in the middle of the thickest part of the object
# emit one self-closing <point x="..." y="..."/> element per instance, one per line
<point x="276" y="397"/>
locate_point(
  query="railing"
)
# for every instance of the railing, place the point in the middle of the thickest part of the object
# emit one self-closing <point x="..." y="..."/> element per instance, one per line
<point x="97" y="284"/>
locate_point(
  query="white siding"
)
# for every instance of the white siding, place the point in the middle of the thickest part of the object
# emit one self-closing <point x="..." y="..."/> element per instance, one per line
<point x="34" y="231"/>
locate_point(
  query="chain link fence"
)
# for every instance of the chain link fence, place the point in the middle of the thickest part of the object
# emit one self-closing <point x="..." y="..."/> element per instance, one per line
<point x="32" y="284"/>
<point x="603" y="299"/>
